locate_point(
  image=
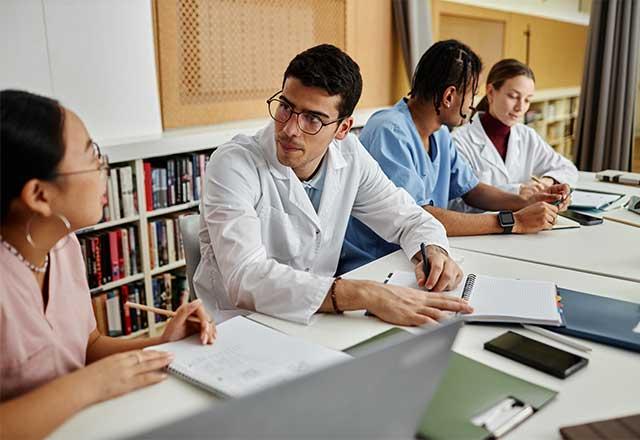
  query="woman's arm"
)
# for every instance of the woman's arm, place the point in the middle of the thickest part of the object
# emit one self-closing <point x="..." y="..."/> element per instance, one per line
<point x="101" y="346"/>
<point x="36" y="413"/>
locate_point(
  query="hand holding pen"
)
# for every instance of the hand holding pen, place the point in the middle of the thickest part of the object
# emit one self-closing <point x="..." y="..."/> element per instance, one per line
<point x="435" y="270"/>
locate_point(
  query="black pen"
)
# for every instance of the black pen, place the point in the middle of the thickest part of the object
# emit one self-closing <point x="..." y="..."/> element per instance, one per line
<point x="425" y="263"/>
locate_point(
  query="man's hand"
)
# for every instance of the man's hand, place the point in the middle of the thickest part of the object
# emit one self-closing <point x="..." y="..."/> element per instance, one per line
<point x="535" y="218"/>
<point x="406" y="306"/>
<point x="555" y="194"/>
<point x="444" y="273"/>
<point x="530" y="188"/>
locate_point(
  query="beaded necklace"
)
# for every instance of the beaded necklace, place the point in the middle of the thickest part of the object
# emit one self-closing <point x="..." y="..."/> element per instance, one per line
<point x="31" y="266"/>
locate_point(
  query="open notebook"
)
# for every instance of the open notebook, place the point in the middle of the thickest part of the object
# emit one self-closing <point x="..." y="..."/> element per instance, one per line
<point x="246" y="357"/>
<point x="500" y="299"/>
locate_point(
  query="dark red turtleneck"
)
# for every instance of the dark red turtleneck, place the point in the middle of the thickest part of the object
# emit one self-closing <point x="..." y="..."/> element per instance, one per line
<point x="497" y="132"/>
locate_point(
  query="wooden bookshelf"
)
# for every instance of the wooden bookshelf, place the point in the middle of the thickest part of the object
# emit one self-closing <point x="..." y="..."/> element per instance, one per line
<point x="553" y="114"/>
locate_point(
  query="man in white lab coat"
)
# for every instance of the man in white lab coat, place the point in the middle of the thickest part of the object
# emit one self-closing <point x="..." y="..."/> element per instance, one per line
<point x="276" y="205"/>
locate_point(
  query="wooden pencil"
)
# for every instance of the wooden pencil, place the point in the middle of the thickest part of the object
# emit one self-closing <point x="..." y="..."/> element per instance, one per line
<point x="158" y="311"/>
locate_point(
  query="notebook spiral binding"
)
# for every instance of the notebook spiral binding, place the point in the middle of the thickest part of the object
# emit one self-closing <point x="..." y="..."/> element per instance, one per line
<point x="468" y="286"/>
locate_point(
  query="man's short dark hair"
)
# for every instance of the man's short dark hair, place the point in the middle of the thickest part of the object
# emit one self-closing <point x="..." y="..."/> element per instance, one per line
<point x="329" y="68"/>
<point x="446" y="63"/>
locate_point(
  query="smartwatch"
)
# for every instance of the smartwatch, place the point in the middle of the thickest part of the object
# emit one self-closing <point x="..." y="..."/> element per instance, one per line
<point x="506" y="220"/>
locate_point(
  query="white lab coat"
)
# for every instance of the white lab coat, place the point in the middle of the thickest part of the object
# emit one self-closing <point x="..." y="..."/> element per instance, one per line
<point x="263" y="245"/>
<point x="527" y="154"/>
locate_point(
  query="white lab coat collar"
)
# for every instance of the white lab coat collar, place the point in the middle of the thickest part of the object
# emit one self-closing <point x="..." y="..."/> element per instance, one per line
<point x="488" y="151"/>
<point x="297" y="194"/>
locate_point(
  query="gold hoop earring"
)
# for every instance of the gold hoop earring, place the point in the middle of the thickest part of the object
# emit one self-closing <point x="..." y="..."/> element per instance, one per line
<point x="29" y="237"/>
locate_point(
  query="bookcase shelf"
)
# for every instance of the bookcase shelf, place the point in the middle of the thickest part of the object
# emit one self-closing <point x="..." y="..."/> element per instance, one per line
<point x="172" y="209"/>
<point x="109" y="224"/>
<point x="168" y="267"/>
<point x="117" y="283"/>
<point x="553" y="114"/>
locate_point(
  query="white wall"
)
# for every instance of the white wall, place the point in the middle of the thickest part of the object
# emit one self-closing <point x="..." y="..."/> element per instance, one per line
<point x="23" y="47"/>
<point x="98" y="57"/>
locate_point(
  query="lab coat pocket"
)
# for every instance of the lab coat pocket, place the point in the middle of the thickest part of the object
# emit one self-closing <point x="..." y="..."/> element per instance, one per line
<point x="280" y="235"/>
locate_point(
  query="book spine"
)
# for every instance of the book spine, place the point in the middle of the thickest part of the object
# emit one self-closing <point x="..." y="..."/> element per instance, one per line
<point x="113" y="252"/>
<point x="114" y="319"/>
<point x="121" y="271"/>
<point x="126" y="252"/>
<point x="126" y="311"/>
<point x="100" y="312"/>
<point x="133" y="248"/>
<point x="148" y="188"/>
<point x="116" y="193"/>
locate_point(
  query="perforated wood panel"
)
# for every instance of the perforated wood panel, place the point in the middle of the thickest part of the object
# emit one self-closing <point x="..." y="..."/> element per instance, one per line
<point x="220" y="59"/>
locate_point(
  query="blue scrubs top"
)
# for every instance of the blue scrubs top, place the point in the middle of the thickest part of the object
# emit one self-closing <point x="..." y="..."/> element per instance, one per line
<point x="393" y="140"/>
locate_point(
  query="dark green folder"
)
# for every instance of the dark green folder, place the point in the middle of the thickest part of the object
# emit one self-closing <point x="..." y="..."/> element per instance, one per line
<point x="468" y="388"/>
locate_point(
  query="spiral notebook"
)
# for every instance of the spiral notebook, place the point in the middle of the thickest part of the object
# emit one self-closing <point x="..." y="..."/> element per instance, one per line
<point x="501" y="299"/>
<point x="246" y="357"/>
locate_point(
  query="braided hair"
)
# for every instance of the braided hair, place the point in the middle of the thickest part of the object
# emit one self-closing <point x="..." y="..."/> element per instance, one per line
<point x="446" y="63"/>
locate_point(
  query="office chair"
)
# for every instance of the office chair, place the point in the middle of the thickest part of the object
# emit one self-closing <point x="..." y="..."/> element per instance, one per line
<point x="189" y="228"/>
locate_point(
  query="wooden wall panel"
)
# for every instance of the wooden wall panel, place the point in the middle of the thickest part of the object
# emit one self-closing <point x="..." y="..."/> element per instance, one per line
<point x="557" y="48"/>
<point x="219" y="60"/>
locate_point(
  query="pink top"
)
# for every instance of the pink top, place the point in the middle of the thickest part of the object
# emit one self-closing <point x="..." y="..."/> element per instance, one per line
<point x="37" y="345"/>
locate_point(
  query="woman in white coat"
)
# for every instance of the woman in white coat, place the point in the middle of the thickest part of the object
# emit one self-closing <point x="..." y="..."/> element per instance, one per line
<point x="501" y="150"/>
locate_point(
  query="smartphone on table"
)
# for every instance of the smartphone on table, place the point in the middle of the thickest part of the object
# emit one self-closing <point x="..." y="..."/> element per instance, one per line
<point x="535" y="354"/>
<point x="582" y="218"/>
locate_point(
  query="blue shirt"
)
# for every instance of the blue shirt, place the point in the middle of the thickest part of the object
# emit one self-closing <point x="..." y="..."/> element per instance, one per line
<point x="393" y="140"/>
<point x="314" y="187"/>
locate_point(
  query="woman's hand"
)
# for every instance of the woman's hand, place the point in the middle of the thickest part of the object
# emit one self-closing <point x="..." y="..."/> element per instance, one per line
<point x="123" y="372"/>
<point x="179" y="327"/>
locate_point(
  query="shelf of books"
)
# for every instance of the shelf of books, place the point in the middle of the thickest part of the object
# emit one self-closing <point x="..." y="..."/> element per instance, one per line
<point x="553" y="114"/>
<point x="135" y="253"/>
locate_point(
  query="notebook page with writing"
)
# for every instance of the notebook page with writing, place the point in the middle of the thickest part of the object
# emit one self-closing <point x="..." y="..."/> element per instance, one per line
<point x="509" y="300"/>
<point x="245" y="358"/>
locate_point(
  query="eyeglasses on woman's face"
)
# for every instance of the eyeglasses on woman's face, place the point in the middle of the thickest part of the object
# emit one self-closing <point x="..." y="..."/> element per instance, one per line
<point x="99" y="158"/>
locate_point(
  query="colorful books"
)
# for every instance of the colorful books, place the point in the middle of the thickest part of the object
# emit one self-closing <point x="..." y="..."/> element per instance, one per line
<point x="112" y="318"/>
<point x="174" y="180"/>
<point x="110" y="255"/>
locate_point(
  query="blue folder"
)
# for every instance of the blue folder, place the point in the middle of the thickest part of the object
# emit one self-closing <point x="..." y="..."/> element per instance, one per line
<point x="600" y="319"/>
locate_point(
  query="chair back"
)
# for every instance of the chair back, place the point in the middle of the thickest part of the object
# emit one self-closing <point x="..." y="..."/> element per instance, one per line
<point x="189" y="228"/>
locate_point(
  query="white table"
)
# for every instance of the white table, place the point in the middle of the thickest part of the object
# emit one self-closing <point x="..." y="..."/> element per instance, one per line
<point x="608" y="387"/>
<point x="587" y="180"/>
<point x="611" y="249"/>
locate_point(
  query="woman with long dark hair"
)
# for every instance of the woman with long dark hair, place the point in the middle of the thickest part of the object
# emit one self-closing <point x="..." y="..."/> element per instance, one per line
<point x="54" y="360"/>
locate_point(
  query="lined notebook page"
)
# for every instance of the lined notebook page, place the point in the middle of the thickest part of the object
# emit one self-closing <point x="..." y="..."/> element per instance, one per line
<point x="510" y="300"/>
<point x="500" y="299"/>
<point x="246" y="357"/>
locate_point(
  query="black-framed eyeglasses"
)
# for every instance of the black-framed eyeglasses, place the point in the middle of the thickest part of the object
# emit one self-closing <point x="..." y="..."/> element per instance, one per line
<point x="103" y="164"/>
<point x="308" y="122"/>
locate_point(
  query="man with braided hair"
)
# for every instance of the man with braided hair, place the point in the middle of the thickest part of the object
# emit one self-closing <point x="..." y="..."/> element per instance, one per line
<point x="412" y="143"/>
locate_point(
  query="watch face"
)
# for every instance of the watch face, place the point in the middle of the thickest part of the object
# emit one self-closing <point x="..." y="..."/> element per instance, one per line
<point x="506" y="218"/>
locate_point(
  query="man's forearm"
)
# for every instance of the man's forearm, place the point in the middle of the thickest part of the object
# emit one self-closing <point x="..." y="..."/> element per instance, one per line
<point x="350" y="295"/>
<point x="490" y="198"/>
<point x="461" y="224"/>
